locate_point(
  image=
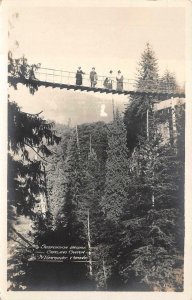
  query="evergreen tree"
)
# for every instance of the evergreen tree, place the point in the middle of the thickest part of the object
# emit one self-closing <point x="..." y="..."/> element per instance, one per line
<point x="156" y="181"/>
<point x="147" y="79"/>
<point x="115" y="194"/>
<point x="93" y="165"/>
<point x="73" y="202"/>
<point x="56" y="172"/>
<point x="148" y="253"/>
<point x="168" y="82"/>
<point x="26" y="134"/>
<point x="93" y="195"/>
<point x="19" y="71"/>
<point x="150" y="246"/>
<point x="136" y="113"/>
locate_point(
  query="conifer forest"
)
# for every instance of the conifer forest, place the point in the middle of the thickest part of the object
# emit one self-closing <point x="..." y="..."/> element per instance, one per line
<point x="111" y="193"/>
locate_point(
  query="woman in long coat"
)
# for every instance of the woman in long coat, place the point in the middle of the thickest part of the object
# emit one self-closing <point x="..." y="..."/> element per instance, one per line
<point x="119" y="79"/>
<point x="108" y="82"/>
<point x="79" y="77"/>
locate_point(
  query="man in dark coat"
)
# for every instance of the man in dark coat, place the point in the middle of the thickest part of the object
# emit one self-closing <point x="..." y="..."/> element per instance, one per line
<point x="79" y="77"/>
<point x="93" y="77"/>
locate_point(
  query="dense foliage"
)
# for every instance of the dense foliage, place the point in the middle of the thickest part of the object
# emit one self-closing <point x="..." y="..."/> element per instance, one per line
<point x="116" y="186"/>
<point x="19" y="70"/>
<point x="29" y="137"/>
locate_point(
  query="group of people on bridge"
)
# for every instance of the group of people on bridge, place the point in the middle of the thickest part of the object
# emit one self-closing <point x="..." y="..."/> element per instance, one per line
<point x="107" y="83"/>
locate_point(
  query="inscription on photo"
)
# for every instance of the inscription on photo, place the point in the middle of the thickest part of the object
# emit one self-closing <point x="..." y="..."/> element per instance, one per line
<point x="60" y="254"/>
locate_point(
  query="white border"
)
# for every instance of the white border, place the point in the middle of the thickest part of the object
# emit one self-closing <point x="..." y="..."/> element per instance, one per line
<point x="187" y="294"/>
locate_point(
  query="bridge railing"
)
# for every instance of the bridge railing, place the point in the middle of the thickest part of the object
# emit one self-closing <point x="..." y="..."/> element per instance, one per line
<point x="69" y="78"/>
<point x="65" y="77"/>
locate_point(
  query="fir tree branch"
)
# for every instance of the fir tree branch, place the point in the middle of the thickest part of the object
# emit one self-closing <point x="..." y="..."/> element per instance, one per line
<point x="19" y="243"/>
<point x="22" y="237"/>
<point x="38" y="154"/>
<point x="33" y="114"/>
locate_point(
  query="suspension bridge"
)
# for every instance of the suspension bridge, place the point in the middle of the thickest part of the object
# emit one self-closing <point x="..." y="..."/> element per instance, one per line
<point x="55" y="78"/>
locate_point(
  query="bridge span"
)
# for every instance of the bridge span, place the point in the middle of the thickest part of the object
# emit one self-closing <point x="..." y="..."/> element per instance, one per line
<point x="54" y="78"/>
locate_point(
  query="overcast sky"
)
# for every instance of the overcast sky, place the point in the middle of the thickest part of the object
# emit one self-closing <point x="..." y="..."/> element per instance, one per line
<point x="106" y="38"/>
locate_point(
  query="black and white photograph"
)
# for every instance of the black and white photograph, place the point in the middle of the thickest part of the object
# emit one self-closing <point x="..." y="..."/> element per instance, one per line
<point x="96" y="106"/>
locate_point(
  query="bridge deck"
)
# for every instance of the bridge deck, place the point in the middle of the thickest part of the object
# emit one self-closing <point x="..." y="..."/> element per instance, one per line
<point x="39" y="83"/>
<point x="66" y="80"/>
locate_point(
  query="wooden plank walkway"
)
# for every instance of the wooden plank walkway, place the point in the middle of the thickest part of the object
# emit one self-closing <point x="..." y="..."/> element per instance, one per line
<point x="38" y="83"/>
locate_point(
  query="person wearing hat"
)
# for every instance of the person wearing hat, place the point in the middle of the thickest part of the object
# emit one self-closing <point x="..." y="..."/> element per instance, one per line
<point x="110" y="81"/>
<point x="119" y="80"/>
<point x="79" y="77"/>
<point x="93" y="77"/>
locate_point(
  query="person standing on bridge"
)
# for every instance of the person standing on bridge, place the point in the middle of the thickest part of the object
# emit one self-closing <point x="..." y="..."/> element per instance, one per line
<point x="110" y="80"/>
<point x="93" y="77"/>
<point x="79" y="77"/>
<point x="119" y="80"/>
